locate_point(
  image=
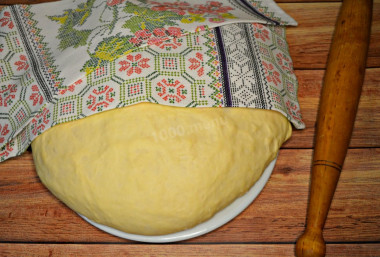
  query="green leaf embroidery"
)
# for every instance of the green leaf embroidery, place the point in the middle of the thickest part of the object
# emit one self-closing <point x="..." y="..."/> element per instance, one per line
<point x="108" y="50"/>
<point x="146" y="18"/>
<point x="68" y="35"/>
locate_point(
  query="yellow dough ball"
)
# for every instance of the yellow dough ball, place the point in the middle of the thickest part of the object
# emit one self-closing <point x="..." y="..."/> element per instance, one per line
<point x="151" y="169"/>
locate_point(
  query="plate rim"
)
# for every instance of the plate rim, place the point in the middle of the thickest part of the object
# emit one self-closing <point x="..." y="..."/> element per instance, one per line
<point x="219" y="219"/>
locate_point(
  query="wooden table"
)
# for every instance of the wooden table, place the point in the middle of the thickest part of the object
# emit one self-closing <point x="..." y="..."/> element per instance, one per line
<point x="33" y="222"/>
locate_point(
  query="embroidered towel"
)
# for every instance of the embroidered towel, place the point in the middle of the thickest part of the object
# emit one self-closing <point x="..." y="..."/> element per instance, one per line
<point x="66" y="60"/>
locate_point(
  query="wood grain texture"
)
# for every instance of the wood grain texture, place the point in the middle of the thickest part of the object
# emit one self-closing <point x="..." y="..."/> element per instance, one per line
<point x="367" y="126"/>
<point x="310" y="41"/>
<point x="270" y="226"/>
<point x="341" y="90"/>
<point x="29" y="213"/>
<point x="227" y="250"/>
<point x="305" y="1"/>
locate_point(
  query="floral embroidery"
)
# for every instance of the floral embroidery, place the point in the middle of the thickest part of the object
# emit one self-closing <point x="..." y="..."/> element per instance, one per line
<point x="197" y="63"/>
<point x="214" y="10"/>
<point x="276" y="97"/>
<point x="123" y="52"/>
<point x="134" y="64"/>
<point x="6" y="150"/>
<point x="160" y="32"/>
<point x="36" y="95"/>
<point x="175" y="31"/>
<point x="7" y="94"/>
<point x="140" y="35"/>
<point x="213" y="7"/>
<point x="285" y="62"/>
<point x="145" y="25"/>
<point x="22" y="64"/>
<point x="291" y="87"/>
<point x="271" y="74"/>
<point x="179" y="7"/>
<point x="101" y="98"/>
<point x="6" y="20"/>
<point x="157" y="37"/>
<point x="114" y="2"/>
<point x="40" y="121"/>
<point x="171" y="91"/>
<point x="147" y="18"/>
<point x="260" y="32"/>
<point x="293" y="110"/>
<point x="3" y="132"/>
<point x="70" y="87"/>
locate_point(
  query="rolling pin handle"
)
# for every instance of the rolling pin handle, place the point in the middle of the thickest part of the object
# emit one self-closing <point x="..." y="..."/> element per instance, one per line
<point x="340" y="96"/>
<point x="311" y="243"/>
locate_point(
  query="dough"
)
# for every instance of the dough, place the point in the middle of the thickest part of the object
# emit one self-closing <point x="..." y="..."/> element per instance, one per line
<point x="151" y="169"/>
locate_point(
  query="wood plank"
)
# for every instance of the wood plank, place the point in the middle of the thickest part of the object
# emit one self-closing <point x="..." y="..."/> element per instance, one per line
<point x="141" y="250"/>
<point x="28" y="212"/>
<point x="305" y="1"/>
<point x="310" y="41"/>
<point x="367" y="126"/>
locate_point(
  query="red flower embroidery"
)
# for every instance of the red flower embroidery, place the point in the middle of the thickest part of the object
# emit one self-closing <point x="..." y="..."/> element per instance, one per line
<point x="155" y="41"/>
<point x="6" y="20"/>
<point x="285" y="62"/>
<point x="114" y="2"/>
<point x="36" y="95"/>
<point x="163" y="41"/>
<point x="159" y="32"/>
<point x="4" y="152"/>
<point x="3" y="132"/>
<point x="260" y="32"/>
<point x="197" y="63"/>
<point x="101" y="98"/>
<point x="276" y="97"/>
<point x="213" y="7"/>
<point x="168" y="44"/>
<point x="143" y="34"/>
<point x="71" y="87"/>
<point x="140" y="36"/>
<point x="271" y="74"/>
<point x="174" y="31"/>
<point x="7" y="93"/>
<point x="157" y="37"/>
<point x="134" y="64"/>
<point x="135" y="41"/>
<point x="290" y="86"/>
<point x="22" y="64"/>
<point x="40" y="121"/>
<point x="172" y="91"/>
<point x="178" y="7"/>
<point x="293" y="110"/>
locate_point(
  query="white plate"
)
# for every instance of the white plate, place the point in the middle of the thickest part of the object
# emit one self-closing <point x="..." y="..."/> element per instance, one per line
<point x="218" y="220"/>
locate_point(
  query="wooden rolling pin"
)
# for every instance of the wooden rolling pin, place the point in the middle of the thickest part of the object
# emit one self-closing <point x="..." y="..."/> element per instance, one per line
<point x="339" y="101"/>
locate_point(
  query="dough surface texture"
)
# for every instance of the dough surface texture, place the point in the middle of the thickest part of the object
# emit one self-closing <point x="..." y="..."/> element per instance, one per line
<point x="151" y="169"/>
